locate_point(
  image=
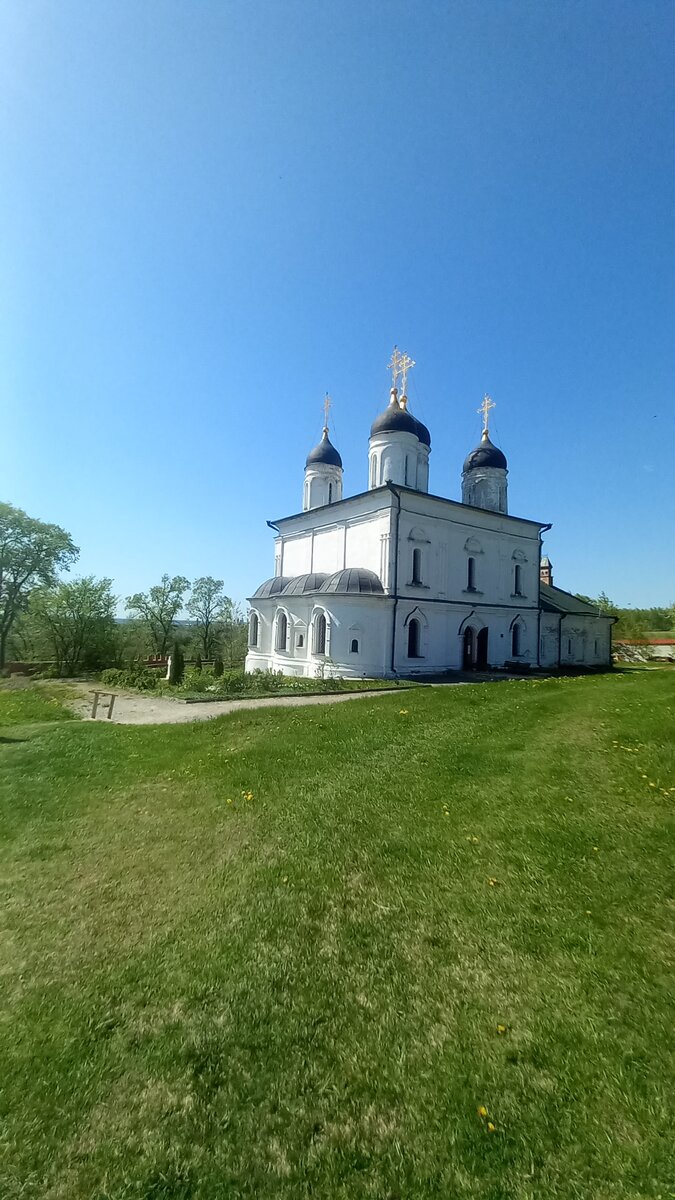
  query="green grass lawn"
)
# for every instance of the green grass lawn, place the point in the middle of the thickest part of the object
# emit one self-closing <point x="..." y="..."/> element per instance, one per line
<point x="293" y="952"/>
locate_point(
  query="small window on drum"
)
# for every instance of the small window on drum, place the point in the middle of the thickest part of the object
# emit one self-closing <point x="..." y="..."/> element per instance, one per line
<point x="354" y="648"/>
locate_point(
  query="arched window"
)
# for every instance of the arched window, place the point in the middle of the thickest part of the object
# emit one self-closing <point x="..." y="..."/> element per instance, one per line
<point x="517" y="580"/>
<point x="515" y="640"/>
<point x="320" y="634"/>
<point x="414" y="638"/>
<point x="282" y="631"/>
<point x="470" y="574"/>
<point x="373" y="471"/>
<point x="354" y="648"/>
<point x="417" y="566"/>
<point x="330" y="493"/>
<point x="253" y="629"/>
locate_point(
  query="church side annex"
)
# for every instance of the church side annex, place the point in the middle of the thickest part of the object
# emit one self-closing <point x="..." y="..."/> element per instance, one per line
<point x="396" y="581"/>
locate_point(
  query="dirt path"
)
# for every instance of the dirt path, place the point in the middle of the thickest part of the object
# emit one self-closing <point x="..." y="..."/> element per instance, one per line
<point x="132" y="709"/>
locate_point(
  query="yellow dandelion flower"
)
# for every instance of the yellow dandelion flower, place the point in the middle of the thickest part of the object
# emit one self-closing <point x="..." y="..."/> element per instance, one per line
<point x="493" y="882"/>
<point x="595" y="847"/>
<point x="285" y="879"/>
<point x="501" y="1029"/>
<point x="402" y="712"/>
<point x="229" y="801"/>
<point x="482" y="1111"/>
<point x="490" y="1127"/>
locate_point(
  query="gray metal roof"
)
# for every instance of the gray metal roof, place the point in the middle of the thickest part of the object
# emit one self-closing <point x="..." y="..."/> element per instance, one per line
<point x="553" y="599"/>
<point x="354" y="580"/>
<point x="305" y="583"/>
<point x="272" y="587"/>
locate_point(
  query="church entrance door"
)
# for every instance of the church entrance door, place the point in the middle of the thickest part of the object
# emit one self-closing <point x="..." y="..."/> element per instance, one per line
<point x="482" y="650"/>
<point x="469" y="653"/>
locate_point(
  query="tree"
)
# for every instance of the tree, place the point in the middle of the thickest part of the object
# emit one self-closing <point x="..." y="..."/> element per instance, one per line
<point x="77" y="620"/>
<point x="210" y="608"/>
<point x="235" y="637"/>
<point x="31" y="554"/>
<point x="159" y="607"/>
<point x="177" y="666"/>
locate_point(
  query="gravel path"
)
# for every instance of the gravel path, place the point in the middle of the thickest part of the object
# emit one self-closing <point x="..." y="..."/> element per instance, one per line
<point x="145" y="710"/>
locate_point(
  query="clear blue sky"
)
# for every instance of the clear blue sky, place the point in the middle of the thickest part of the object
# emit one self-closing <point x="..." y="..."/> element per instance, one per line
<point x="214" y="212"/>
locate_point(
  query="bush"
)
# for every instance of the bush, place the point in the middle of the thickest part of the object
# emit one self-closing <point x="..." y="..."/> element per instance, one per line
<point x="218" y="667"/>
<point x="135" y="676"/>
<point x="198" y="663"/>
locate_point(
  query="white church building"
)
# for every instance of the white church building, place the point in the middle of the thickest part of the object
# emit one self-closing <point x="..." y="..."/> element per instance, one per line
<point x="396" y="581"/>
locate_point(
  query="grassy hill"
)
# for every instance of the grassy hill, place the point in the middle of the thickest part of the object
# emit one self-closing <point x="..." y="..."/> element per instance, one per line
<point x="408" y="947"/>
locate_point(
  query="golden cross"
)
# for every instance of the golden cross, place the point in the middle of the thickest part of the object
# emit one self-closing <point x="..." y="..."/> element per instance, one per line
<point x="406" y="363"/>
<point x="485" y="409"/>
<point x="326" y="409"/>
<point x="394" y="366"/>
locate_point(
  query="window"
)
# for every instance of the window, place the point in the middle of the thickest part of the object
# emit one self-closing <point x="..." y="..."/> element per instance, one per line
<point x="417" y="566"/>
<point x="253" y="629"/>
<point x="354" y="648"/>
<point x="320" y="634"/>
<point x="282" y="631"/>
<point x="301" y="640"/>
<point x="517" y="580"/>
<point x="569" y="645"/>
<point x="515" y="641"/>
<point x="330" y="493"/>
<point x="471" y="575"/>
<point x="595" y="646"/>
<point x="414" y="639"/>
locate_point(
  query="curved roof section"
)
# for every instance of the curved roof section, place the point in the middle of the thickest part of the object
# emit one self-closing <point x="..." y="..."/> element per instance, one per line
<point x="354" y="580"/>
<point x="423" y="434"/>
<point x="272" y="587"/>
<point x="485" y="455"/>
<point x="325" y="452"/>
<point x="395" y="419"/>
<point x="301" y="584"/>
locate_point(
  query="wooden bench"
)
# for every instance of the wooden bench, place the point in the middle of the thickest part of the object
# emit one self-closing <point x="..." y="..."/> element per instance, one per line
<point x="97" y="701"/>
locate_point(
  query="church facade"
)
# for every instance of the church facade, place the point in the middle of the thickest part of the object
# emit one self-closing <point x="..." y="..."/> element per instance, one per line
<point x="396" y="581"/>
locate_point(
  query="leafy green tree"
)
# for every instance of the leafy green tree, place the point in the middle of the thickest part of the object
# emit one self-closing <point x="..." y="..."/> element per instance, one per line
<point x="234" y="639"/>
<point x="31" y="554"/>
<point x="210" y="610"/>
<point x="159" y="607"/>
<point x="77" y="621"/>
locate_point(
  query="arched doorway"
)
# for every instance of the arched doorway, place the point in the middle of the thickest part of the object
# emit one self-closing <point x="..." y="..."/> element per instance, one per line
<point x="469" y="649"/>
<point x="482" y="650"/>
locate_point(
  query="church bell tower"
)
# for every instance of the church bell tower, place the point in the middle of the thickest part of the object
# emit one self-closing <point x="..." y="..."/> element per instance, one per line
<point x="323" y="470"/>
<point x="484" y="475"/>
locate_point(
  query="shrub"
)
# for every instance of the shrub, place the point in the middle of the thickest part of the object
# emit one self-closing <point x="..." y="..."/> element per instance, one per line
<point x="177" y="668"/>
<point x="135" y="676"/>
<point x="198" y="663"/>
<point x="217" y="667"/>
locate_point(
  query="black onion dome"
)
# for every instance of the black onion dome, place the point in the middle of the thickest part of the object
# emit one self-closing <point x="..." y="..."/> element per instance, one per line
<point x="423" y="434"/>
<point x="354" y="579"/>
<point x="395" y="419"/>
<point x="305" y="583"/>
<point x="485" y="455"/>
<point x="325" y="452"/>
<point x="272" y="587"/>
